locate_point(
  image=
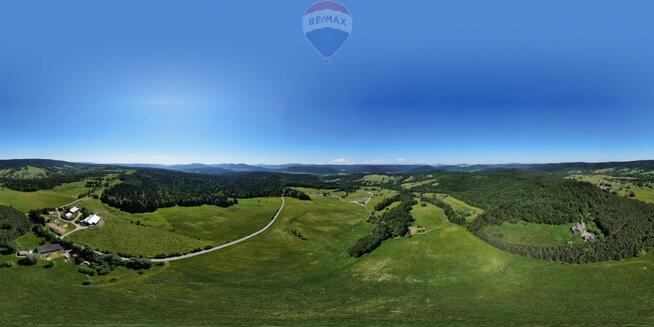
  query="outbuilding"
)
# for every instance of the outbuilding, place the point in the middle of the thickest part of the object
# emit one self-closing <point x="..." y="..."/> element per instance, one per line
<point x="91" y="220"/>
<point x="68" y="215"/>
<point x="45" y="249"/>
<point x="74" y="209"/>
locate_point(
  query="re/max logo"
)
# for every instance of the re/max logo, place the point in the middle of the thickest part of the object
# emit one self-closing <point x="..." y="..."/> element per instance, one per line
<point x="327" y="20"/>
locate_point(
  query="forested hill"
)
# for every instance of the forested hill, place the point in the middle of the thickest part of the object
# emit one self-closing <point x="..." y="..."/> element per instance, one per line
<point x="627" y="225"/>
<point x="150" y="189"/>
<point x="38" y="174"/>
<point x="646" y="165"/>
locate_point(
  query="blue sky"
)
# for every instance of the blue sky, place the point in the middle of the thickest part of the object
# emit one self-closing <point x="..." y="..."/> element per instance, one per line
<point x="418" y="82"/>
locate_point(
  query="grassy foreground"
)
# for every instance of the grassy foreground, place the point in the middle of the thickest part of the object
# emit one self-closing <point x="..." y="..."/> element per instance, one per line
<point x="443" y="277"/>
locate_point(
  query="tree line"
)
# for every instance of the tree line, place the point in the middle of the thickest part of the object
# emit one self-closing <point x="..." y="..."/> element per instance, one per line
<point x="392" y="223"/>
<point x="13" y="224"/>
<point x="150" y="189"/>
<point x="451" y="215"/>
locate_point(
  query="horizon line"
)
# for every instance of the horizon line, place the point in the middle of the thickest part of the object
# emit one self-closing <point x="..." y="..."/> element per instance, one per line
<point x="413" y="163"/>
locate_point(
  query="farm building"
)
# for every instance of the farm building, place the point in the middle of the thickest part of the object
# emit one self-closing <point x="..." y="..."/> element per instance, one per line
<point x="74" y="209"/>
<point x="91" y="220"/>
<point x="23" y="253"/>
<point x="45" y="249"/>
<point x="68" y="215"/>
<point x="579" y="228"/>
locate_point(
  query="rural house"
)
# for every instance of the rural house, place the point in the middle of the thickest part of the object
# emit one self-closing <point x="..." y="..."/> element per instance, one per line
<point x="74" y="209"/>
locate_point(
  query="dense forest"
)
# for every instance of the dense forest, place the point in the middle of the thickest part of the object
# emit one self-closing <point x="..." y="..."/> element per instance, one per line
<point x="12" y="225"/>
<point x="510" y="195"/>
<point x="150" y="189"/>
<point x="392" y="223"/>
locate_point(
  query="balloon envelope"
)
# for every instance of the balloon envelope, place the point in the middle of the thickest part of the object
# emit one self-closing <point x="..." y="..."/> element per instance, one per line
<point x="327" y="25"/>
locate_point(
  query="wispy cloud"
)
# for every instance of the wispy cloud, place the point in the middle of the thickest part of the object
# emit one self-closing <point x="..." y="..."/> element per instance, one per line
<point x="339" y="160"/>
<point x="401" y="159"/>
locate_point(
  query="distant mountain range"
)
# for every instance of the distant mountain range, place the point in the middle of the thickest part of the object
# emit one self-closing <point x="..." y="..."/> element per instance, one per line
<point x="227" y="168"/>
<point x="288" y="168"/>
<point x="397" y="169"/>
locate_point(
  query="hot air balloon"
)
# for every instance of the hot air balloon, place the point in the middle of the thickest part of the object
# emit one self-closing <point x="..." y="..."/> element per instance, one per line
<point x="327" y="25"/>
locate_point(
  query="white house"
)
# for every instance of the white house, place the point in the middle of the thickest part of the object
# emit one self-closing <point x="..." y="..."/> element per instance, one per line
<point x="91" y="220"/>
<point x="74" y="209"/>
<point x="69" y="215"/>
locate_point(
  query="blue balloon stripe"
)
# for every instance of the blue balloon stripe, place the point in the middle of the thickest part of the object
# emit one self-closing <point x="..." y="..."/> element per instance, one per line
<point x="327" y="40"/>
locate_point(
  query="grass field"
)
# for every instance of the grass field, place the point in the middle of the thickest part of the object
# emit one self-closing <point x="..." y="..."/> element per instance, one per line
<point x="359" y="195"/>
<point x="532" y="233"/>
<point x="428" y="216"/>
<point x="376" y="179"/>
<point x="176" y="229"/>
<point x="460" y="207"/>
<point x="380" y="195"/>
<point x="29" y="241"/>
<point x="24" y="201"/>
<point x="27" y="172"/>
<point x="409" y="185"/>
<point x="621" y="185"/>
<point x="446" y="276"/>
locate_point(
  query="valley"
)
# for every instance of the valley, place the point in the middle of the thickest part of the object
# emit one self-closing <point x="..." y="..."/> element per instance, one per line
<point x="298" y="271"/>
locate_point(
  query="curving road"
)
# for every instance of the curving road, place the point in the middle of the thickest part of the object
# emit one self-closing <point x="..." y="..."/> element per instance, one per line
<point x="228" y="244"/>
<point x="215" y="248"/>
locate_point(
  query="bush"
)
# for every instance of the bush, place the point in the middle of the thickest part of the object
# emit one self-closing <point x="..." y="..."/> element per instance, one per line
<point x="49" y="265"/>
<point x="137" y="264"/>
<point x="7" y="249"/>
<point x="87" y="271"/>
<point x="29" y="260"/>
<point x="6" y="264"/>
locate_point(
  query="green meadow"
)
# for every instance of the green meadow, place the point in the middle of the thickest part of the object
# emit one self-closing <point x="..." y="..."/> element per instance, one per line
<point x="524" y="232"/>
<point x="379" y="195"/>
<point x="621" y="185"/>
<point x="58" y="196"/>
<point x="26" y="172"/>
<point x="460" y="207"/>
<point x="376" y="179"/>
<point x="411" y="184"/>
<point x="174" y="230"/>
<point x="445" y="276"/>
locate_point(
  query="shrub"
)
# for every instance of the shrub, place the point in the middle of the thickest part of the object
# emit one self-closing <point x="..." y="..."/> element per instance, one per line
<point x="137" y="264"/>
<point x="29" y="260"/>
<point x="49" y="265"/>
<point x="6" y="264"/>
<point x="87" y="271"/>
